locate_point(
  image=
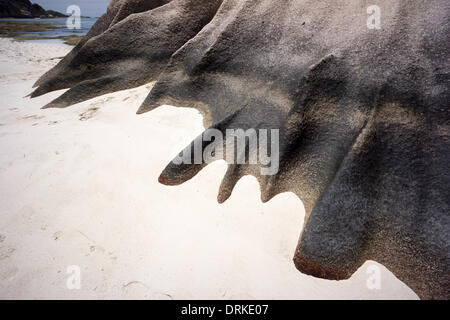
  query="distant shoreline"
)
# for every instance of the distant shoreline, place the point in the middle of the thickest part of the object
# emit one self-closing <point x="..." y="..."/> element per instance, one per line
<point x="32" y="29"/>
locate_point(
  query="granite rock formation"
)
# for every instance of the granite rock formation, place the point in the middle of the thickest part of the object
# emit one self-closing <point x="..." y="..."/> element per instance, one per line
<point x="363" y="113"/>
<point x="25" y="9"/>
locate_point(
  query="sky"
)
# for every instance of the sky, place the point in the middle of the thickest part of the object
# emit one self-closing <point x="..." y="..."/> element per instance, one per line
<point x="91" y="8"/>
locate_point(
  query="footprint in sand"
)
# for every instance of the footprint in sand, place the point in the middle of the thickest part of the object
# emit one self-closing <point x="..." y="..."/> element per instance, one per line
<point x="57" y="235"/>
<point x="88" y="114"/>
<point x="7" y="253"/>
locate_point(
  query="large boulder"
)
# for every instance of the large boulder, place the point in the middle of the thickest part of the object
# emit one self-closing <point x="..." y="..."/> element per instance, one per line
<point x="363" y="113"/>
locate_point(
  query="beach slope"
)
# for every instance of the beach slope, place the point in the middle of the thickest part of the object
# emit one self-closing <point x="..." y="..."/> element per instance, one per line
<point x="78" y="192"/>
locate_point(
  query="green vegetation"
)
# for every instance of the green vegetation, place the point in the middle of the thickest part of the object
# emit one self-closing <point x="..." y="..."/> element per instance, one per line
<point x="11" y="28"/>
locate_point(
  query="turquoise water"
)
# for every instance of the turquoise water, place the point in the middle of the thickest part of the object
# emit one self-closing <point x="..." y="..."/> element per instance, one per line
<point x="60" y="27"/>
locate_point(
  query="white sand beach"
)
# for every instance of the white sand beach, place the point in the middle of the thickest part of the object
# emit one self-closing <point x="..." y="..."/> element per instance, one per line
<point x="79" y="186"/>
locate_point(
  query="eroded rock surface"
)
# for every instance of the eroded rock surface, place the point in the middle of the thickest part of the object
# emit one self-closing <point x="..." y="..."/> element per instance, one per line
<point x="363" y="113"/>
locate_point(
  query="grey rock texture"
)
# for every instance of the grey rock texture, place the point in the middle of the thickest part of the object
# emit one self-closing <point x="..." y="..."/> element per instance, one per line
<point x="363" y="113"/>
